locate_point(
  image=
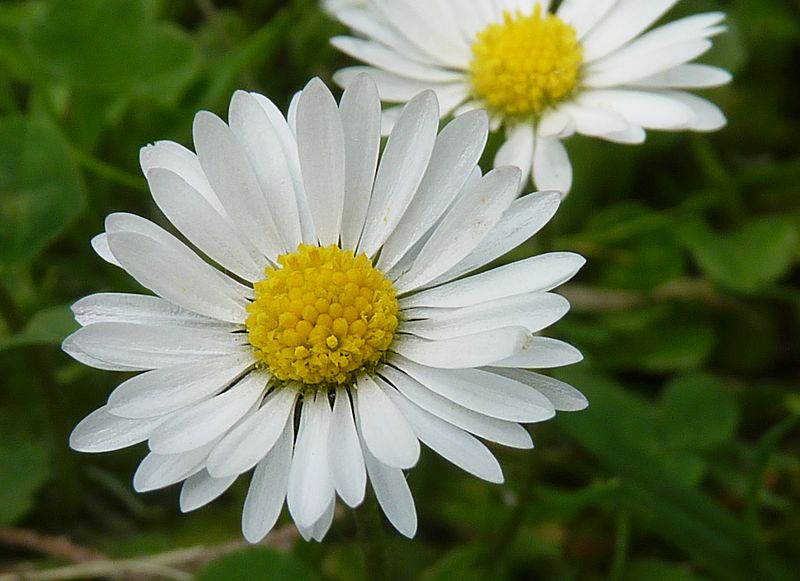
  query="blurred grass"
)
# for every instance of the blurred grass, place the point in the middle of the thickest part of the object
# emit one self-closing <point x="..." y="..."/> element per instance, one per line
<point x="685" y="467"/>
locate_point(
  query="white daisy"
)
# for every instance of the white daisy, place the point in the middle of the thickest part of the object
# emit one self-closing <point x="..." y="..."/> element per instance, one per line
<point x="587" y="68"/>
<point x="335" y="294"/>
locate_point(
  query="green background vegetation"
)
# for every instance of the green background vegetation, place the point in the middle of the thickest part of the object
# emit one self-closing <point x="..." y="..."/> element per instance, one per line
<point x="685" y="467"/>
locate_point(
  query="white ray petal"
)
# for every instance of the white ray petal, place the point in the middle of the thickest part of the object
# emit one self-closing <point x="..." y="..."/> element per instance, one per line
<point x="347" y="460"/>
<point x="517" y="150"/>
<point x="150" y="347"/>
<point x="160" y="391"/>
<point x="402" y="166"/>
<point x="481" y="391"/>
<point x="688" y="76"/>
<point x="267" y="491"/>
<point x="543" y="353"/>
<point x="535" y="274"/>
<point x="201" y="488"/>
<point x="141" y="310"/>
<point x="500" y="431"/>
<point x="563" y="396"/>
<point x="320" y="144"/>
<point x="534" y="311"/>
<point x="159" y="471"/>
<point x="203" y="226"/>
<point x="102" y="431"/>
<point x="209" y="420"/>
<point x="228" y="169"/>
<point x="100" y="246"/>
<point x="450" y="442"/>
<point x="457" y="151"/>
<point x="310" y="478"/>
<point x="552" y="169"/>
<point x="253" y="129"/>
<point x="245" y="445"/>
<point x="360" y="109"/>
<point x="464" y="351"/>
<point x="470" y="218"/>
<point x="524" y="218"/>
<point x="384" y="429"/>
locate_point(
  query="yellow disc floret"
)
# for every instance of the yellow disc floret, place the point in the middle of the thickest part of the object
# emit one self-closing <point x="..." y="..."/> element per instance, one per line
<point x="526" y="63"/>
<point x="322" y="316"/>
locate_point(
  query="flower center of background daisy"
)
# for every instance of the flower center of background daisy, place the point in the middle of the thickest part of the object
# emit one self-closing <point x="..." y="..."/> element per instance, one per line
<point x="322" y="316"/>
<point x="526" y="63"/>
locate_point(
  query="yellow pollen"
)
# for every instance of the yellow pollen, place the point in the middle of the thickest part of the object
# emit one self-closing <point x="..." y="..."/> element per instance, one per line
<point x="322" y="316"/>
<point x="526" y="63"/>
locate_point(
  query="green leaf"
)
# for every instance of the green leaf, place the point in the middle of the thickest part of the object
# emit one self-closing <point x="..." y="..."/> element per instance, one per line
<point x="24" y="469"/>
<point x="40" y="189"/>
<point x="47" y="327"/>
<point x="114" y="45"/>
<point x="748" y="260"/>
<point x="697" y="413"/>
<point x="659" y="571"/>
<point x="258" y="564"/>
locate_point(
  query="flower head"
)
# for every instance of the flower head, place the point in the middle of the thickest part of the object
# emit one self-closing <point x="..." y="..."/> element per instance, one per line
<point x="333" y="324"/>
<point x="591" y="67"/>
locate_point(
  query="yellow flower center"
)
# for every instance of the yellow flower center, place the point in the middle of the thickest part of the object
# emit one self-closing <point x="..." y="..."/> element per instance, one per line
<point x="322" y="316"/>
<point x="526" y="63"/>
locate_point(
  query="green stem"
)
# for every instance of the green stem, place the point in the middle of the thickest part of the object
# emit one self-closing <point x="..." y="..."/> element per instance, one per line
<point x="621" y="547"/>
<point x="371" y="538"/>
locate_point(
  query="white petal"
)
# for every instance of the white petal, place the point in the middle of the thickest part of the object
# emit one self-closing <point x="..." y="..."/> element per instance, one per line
<point x="320" y="144"/>
<point x="360" y="109"/>
<point x="267" y="491"/>
<point x="473" y="214"/>
<point x="543" y="353"/>
<point x="310" y="478"/>
<point x="535" y="274"/>
<point x="457" y="151"/>
<point x="146" y="347"/>
<point x="246" y="444"/>
<point x="383" y="428"/>
<point x="556" y="122"/>
<point x="285" y="137"/>
<point x="502" y="432"/>
<point x="159" y="471"/>
<point x="481" y="391"/>
<point x="623" y="22"/>
<point x="383" y="57"/>
<point x="201" y="488"/>
<point x="168" y="268"/>
<point x="563" y="396"/>
<point x="688" y="76"/>
<point x="644" y="108"/>
<point x="474" y="350"/>
<point x="209" y="420"/>
<point x="228" y="169"/>
<point x="450" y="442"/>
<point x="524" y="218"/>
<point x="583" y="15"/>
<point x="177" y="159"/>
<point x="160" y="391"/>
<point x="429" y="29"/>
<point x="100" y="246"/>
<point x="347" y="460"/>
<point x="254" y="130"/>
<point x="552" y="169"/>
<point x="139" y="309"/>
<point x="705" y="115"/>
<point x="401" y="168"/>
<point x="517" y="150"/>
<point x="534" y="311"/>
<point x="393" y="494"/>
<point x="101" y="431"/>
<point x="321" y="527"/>
<point x="196" y="219"/>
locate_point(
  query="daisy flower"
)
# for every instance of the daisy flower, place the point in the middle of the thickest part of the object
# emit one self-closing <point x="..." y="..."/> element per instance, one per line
<point x="333" y="324"/>
<point x="591" y="67"/>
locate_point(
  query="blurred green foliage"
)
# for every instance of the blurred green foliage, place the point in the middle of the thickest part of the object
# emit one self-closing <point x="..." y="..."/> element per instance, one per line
<point x="685" y="467"/>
